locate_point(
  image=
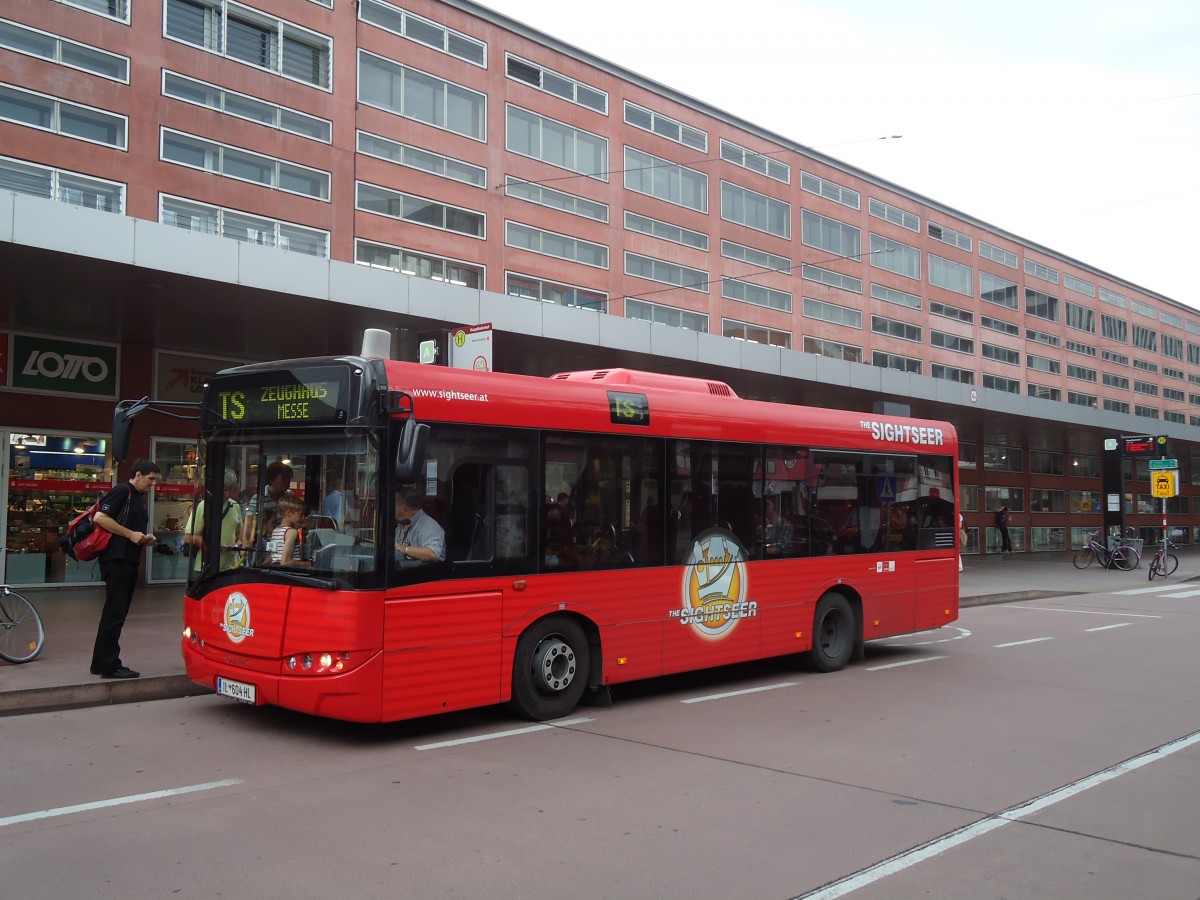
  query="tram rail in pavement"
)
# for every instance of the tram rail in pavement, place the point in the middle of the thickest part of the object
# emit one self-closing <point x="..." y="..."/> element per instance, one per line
<point x="59" y="677"/>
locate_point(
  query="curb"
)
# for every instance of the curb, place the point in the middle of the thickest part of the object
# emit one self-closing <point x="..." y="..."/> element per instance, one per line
<point x="102" y="693"/>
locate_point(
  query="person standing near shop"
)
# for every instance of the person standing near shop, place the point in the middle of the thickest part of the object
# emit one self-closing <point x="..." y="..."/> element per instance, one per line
<point x="124" y="515"/>
<point x="1002" y="527"/>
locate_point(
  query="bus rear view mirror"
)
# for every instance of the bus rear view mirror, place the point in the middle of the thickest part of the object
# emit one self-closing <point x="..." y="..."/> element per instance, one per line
<point x="410" y="453"/>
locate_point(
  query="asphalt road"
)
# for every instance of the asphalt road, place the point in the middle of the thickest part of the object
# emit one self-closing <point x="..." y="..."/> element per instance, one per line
<point x="1045" y="748"/>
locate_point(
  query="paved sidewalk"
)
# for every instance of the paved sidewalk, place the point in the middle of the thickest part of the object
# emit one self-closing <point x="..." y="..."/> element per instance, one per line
<point x="59" y="678"/>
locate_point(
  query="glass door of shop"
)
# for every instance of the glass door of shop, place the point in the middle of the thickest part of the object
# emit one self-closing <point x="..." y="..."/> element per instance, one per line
<point x="47" y="479"/>
<point x="171" y="503"/>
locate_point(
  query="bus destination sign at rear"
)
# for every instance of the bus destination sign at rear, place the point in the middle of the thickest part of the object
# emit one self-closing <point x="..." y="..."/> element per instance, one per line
<point x="295" y="397"/>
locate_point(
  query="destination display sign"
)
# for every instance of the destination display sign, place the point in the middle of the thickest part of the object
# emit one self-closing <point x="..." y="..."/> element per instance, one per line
<point x="628" y="409"/>
<point x="308" y="396"/>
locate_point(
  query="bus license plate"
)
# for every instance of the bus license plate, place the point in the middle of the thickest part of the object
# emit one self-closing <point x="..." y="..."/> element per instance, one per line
<point x="235" y="689"/>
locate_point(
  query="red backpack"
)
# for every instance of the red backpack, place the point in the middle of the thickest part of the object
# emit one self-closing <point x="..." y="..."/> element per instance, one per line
<point x="84" y="540"/>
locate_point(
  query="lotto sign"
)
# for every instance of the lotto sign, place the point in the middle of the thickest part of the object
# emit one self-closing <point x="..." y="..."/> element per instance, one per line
<point x="63" y="367"/>
<point x="1163" y="484"/>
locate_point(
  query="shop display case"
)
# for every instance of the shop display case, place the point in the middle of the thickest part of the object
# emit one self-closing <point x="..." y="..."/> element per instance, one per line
<point x="39" y="510"/>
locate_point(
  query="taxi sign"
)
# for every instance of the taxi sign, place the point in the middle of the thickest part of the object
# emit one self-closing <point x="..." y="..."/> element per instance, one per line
<point x="1162" y="484"/>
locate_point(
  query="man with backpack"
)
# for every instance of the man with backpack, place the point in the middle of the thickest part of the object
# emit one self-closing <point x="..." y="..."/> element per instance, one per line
<point x="124" y="515"/>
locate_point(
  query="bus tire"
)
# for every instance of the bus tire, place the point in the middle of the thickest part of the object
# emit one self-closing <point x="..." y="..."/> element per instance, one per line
<point x="550" y="670"/>
<point x="834" y="633"/>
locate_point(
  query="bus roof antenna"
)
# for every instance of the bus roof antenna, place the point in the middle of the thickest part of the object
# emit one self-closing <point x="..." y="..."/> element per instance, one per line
<point x="377" y="344"/>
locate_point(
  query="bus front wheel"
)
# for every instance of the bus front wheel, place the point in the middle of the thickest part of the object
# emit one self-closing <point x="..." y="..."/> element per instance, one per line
<point x="550" y="671"/>
<point x="834" y="633"/>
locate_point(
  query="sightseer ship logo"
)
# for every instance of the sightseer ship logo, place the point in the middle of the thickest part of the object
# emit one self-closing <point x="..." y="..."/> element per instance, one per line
<point x="714" y="586"/>
<point x="236" y="620"/>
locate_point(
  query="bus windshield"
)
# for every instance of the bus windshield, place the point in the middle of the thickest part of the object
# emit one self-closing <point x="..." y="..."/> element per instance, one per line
<point x="301" y="501"/>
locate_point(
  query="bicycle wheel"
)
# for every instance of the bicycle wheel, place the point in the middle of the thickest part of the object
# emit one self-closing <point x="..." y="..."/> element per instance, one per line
<point x="22" y="634"/>
<point x="1170" y="564"/>
<point x="1123" y="558"/>
<point x="1083" y="558"/>
<point x="1154" y="568"/>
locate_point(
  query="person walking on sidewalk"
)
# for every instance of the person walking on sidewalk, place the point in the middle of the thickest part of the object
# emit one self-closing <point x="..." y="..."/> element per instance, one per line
<point x="1002" y="526"/>
<point x="124" y="515"/>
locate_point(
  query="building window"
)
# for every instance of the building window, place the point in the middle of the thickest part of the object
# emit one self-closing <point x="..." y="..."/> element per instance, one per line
<point x="946" y="311"/>
<point x="1084" y="349"/>
<point x="666" y="272"/>
<point x="744" y="291"/>
<point x="421" y="97"/>
<point x="949" y="236"/>
<point x="832" y="349"/>
<point x="892" y="256"/>
<point x="423" y="31"/>
<point x="1043" y="306"/>
<point x="560" y="246"/>
<point x="1142" y="309"/>
<point x="952" y="342"/>
<point x="895" y="328"/>
<point x="665" y="180"/>
<point x="1114" y="329"/>
<point x="999" y="325"/>
<point x="418" y="265"/>
<point x="754" y="257"/>
<point x="1112" y="297"/>
<point x="999" y="383"/>
<point x="1145" y="387"/>
<point x="1043" y="364"/>
<point x="1042" y="500"/>
<point x="1146" y="412"/>
<point x="882" y="360"/>
<point x="1119" y="359"/>
<point x="1116" y="381"/>
<point x="61" y="185"/>
<point x="1045" y="462"/>
<point x="1043" y="392"/>
<point x="999" y="458"/>
<point x="1120" y="406"/>
<point x="233" y="162"/>
<point x="1000" y="354"/>
<point x="997" y="254"/>
<point x="665" y="126"/>
<point x="422" y="160"/>
<point x="1083" y="373"/>
<point x="1037" y="270"/>
<point x="1145" y="338"/>
<point x="950" y="373"/>
<point x="60" y="117"/>
<point x="1077" y="399"/>
<point x="559" y="85"/>
<point x="111" y="9"/>
<point x="1079" y="285"/>
<point x="665" y="315"/>
<point x="996" y="290"/>
<point x="417" y="210"/>
<point x="555" y="199"/>
<point x="951" y="275"/>
<point x="201" y="93"/>
<point x="1081" y="318"/>
<point x="831" y="312"/>
<point x="552" y="292"/>
<point x="63" y="52"/>
<point x="676" y="234"/>
<point x="556" y="143"/>
<point x="244" y="227"/>
<point x="756" y="162"/>
<point x="901" y="298"/>
<point x="831" y="278"/>
<point x="893" y="214"/>
<point x="249" y="36"/>
<point x="1172" y="347"/>
<point x="756" y="334"/>
<point x="1170" y="319"/>
<point x="755" y="210"/>
<point x="823" y="187"/>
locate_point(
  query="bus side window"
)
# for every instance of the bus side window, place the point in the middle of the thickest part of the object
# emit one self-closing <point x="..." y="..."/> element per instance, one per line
<point x="468" y="537"/>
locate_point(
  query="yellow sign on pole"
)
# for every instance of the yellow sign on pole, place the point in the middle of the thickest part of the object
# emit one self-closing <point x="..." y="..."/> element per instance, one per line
<point x="1163" y="484"/>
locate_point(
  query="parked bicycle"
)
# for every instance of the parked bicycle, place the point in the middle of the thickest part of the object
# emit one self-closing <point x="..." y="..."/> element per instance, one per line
<point x="22" y="634"/>
<point x="1164" y="562"/>
<point x="1120" y="555"/>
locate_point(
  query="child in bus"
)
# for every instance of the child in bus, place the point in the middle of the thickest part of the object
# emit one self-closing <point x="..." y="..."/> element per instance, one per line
<point x="284" y="545"/>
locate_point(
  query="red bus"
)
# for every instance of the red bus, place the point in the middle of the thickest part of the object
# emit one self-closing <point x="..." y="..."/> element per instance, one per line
<point x="596" y="528"/>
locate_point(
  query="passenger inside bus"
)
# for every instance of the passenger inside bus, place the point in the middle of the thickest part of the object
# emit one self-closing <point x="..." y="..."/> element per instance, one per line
<point x="419" y="537"/>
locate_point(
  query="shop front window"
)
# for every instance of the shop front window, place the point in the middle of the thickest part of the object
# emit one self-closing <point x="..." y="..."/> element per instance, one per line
<point x="51" y="479"/>
<point x="170" y="504"/>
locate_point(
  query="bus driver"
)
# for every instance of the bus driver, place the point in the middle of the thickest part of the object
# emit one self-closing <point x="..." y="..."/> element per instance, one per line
<point x="418" y="535"/>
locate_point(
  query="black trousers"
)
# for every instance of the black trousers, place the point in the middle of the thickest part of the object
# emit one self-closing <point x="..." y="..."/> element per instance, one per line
<point x="120" y="578"/>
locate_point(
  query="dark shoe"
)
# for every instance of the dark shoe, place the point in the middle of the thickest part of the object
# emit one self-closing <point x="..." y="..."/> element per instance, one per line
<point x="121" y="672"/>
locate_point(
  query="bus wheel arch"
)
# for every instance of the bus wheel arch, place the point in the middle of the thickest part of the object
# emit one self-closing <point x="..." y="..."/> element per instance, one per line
<point x="837" y="631"/>
<point x="556" y="660"/>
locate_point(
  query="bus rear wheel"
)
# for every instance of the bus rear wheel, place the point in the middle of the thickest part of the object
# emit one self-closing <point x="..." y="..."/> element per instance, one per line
<point x="834" y="633"/>
<point x="550" y="670"/>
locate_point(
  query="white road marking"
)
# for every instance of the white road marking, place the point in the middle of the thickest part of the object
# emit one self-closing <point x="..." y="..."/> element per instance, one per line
<point x="1107" y="627"/>
<point x="116" y="801"/>
<point x="1183" y="594"/>
<point x="768" y="687"/>
<point x="1019" y="643"/>
<point x="907" y="662"/>
<point x="893" y="642"/>
<point x="512" y="732"/>
<point x="1091" y="612"/>
<point x="938" y="846"/>
<point x="1156" y="589"/>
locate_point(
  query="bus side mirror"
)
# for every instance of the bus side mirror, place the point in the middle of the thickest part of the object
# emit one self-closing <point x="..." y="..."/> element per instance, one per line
<point x="410" y="454"/>
<point x="122" y="426"/>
